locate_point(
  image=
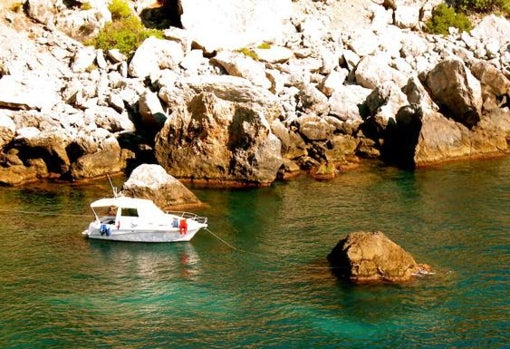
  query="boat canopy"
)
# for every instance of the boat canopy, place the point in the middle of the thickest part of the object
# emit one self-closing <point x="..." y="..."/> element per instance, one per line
<point x="145" y="208"/>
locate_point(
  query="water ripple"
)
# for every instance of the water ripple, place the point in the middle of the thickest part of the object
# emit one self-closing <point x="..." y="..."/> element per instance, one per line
<point x="275" y="289"/>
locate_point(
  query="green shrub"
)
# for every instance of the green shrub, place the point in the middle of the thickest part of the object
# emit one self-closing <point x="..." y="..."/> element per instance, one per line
<point x="119" y="10"/>
<point x="248" y="53"/>
<point x="444" y="17"/>
<point x="264" y="46"/>
<point x="16" y="7"/>
<point x="483" y="6"/>
<point x="126" y="33"/>
<point x="85" y="6"/>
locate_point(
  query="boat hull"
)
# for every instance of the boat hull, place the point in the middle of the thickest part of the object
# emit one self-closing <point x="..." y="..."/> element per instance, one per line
<point x="140" y="235"/>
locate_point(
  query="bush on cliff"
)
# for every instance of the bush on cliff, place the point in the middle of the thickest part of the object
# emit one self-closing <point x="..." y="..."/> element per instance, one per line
<point x="444" y="17"/>
<point x="483" y="6"/>
<point x="119" y="10"/>
<point x="16" y="7"/>
<point x="125" y="33"/>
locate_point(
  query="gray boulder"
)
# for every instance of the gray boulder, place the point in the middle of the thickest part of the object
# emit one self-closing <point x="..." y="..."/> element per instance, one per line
<point x="107" y="159"/>
<point x="233" y="24"/>
<point x="345" y="103"/>
<point x="236" y="90"/>
<point x="27" y="92"/>
<point x="155" y="54"/>
<point x="19" y="173"/>
<point x="237" y="64"/>
<point x="152" y="114"/>
<point x="373" y="71"/>
<point x="41" y="10"/>
<point x="442" y="139"/>
<point x="293" y="145"/>
<point x="456" y="91"/>
<point x="83" y="59"/>
<point x="7" y="130"/>
<point x="495" y="85"/>
<point x="154" y="183"/>
<point x="312" y="101"/>
<point x="314" y="128"/>
<point x="48" y="145"/>
<point x="384" y="102"/>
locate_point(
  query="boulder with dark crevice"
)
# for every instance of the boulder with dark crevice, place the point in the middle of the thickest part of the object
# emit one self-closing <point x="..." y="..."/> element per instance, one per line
<point x="162" y="14"/>
<point x="456" y="91"/>
<point x="372" y="257"/>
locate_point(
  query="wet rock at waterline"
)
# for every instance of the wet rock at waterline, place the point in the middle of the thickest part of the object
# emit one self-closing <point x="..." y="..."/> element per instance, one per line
<point x="373" y="257"/>
<point x="327" y="84"/>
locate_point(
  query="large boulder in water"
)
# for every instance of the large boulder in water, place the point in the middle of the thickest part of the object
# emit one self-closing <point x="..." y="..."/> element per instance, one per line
<point x="373" y="257"/>
<point x="154" y="183"/>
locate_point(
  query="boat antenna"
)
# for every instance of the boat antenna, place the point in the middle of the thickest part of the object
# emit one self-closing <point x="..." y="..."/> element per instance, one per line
<point x="114" y="189"/>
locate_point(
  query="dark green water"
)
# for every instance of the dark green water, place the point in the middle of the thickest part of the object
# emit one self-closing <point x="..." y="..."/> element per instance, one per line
<point x="274" y="290"/>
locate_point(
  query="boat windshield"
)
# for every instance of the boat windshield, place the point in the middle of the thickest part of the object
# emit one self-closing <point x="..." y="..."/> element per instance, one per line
<point x="129" y="212"/>
<point x="128" y="207"/>
<point x="106" y="211"/>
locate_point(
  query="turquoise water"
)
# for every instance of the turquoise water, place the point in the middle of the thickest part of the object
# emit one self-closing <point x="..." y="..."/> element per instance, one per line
<point x="270" y="287"/>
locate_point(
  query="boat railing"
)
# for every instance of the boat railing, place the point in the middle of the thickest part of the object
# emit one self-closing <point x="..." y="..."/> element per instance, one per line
<point x="189" y="215"/>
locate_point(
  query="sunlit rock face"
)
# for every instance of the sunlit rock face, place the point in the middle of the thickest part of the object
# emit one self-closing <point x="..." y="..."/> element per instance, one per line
<point x="373" y="257"/>
<point x="233" y="24"/>
<point x="150" y="181"/>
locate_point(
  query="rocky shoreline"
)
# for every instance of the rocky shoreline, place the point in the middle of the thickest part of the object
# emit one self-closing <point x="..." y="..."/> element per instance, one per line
<point x="319" y="96"/>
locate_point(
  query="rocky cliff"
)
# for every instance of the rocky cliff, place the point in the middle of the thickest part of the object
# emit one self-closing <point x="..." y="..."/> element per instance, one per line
<point x="247" y="91"/>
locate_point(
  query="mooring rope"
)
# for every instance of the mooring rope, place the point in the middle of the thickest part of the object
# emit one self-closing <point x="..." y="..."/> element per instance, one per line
<point x="265" y="257"/>
<point x="232" y="246"/>
<point x="226" y="243"/>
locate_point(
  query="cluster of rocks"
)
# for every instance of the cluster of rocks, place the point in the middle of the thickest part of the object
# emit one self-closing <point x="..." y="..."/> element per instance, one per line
<point x="209" y="103"/>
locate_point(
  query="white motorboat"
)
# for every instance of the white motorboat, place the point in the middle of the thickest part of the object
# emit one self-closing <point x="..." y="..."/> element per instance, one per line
<point x="140" y="220"/>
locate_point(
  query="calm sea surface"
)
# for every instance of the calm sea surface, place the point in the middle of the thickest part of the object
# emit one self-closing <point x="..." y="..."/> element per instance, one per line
<point x="266" y="284"/>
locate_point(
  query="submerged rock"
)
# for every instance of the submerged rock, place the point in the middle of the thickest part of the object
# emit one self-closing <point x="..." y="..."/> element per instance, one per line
<point x="373" y="257"/>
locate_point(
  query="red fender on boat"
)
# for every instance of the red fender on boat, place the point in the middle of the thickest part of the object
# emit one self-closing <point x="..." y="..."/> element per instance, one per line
<point x="183" y="227"/>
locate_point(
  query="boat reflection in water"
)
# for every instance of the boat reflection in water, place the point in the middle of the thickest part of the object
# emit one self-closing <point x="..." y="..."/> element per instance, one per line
<point x="148" y="261"/>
